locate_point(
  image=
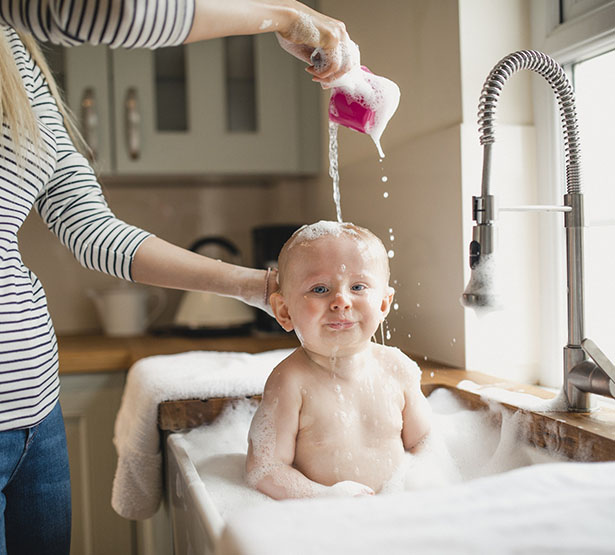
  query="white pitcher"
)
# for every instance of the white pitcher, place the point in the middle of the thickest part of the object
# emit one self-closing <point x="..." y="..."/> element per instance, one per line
<point x="127" y="310"/>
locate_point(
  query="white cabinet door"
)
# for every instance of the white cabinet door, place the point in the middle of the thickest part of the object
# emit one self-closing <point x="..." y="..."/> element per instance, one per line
<point x="233" y="106"/>
<point x="88" y="95"/>
<point x="208" y="145"/>
<point x="89" y="404"/>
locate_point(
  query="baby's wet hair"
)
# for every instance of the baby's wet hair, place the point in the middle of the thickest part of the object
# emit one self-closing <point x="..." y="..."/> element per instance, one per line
<point x="311" y="232"/>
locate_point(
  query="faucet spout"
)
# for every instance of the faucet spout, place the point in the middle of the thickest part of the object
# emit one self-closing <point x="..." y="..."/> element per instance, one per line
<point x="596" y="375"/>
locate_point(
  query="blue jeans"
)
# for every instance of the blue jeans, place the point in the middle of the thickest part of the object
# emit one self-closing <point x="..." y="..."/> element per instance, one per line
<point x="35" y="507"/>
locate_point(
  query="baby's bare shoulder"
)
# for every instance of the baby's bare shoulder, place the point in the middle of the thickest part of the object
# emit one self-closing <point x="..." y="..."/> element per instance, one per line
<point x="287" y="374"/>
<point x="399" y="364"/>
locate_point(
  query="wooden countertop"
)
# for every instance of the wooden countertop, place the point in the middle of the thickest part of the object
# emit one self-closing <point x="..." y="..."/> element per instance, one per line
<point x="98" y="353"/>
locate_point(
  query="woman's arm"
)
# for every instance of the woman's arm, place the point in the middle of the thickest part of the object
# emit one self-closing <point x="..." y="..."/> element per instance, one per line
<point x="300" y="30"/>
<point x="159" y="263"/>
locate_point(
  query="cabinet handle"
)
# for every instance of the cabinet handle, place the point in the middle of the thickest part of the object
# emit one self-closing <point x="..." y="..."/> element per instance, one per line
<point x="89" y="122"/>
<point x="132" y="122"/>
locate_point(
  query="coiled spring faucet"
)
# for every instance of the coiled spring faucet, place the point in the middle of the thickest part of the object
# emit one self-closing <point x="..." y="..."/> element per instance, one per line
<point x="582" y="375"/>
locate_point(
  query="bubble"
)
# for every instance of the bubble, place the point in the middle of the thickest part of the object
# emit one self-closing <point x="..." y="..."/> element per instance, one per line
<point x="388" y="334"/>
<point x="384" y="179"/>
<point x="425" y="357"/>
<point x="418" y="283"/>
<point x="385" y="194"/>
<point x="390" y="230"/>
<point x="409" y="335"/>
<point x="396" y="306"/>
<point x="391" y="254"/>
<point x="392" y="237"/>
<point x="418" y="305"/>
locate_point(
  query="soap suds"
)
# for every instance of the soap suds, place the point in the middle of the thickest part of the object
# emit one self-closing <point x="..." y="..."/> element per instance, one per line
<point x="483" y="285"/>
<point x="463" y="445"/>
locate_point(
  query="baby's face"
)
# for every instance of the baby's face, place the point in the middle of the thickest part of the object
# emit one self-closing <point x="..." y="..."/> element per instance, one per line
<point x="336" y="294"/>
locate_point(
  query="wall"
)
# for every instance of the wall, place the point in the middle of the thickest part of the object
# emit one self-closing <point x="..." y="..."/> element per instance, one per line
<point x="416" y="44"/>
<point x="439" y="52"/>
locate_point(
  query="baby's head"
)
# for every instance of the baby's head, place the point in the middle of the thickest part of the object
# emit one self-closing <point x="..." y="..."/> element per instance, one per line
<point x="334" y="283"/>
<point x="369" y="245"/>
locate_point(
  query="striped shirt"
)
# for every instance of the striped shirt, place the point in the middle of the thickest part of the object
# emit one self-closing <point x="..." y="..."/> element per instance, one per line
<point x="60" y="184"/>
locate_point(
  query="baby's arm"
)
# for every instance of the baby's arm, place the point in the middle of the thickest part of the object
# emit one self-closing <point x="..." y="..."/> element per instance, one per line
<point x="271" y="444"/>
<point x="416" y="414"/>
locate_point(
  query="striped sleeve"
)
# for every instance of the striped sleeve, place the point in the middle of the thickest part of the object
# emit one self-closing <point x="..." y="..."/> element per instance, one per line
<point x="125" y="23"/>
<point x="74" y="209"/>
<point x="72" y="203"/>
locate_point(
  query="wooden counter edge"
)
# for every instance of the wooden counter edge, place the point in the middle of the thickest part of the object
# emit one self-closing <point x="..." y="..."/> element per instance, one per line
<point x="567" y="434"/>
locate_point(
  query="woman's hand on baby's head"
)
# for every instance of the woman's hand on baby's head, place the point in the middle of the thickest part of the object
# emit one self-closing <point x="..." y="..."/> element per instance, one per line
<point x="348" y="488"/>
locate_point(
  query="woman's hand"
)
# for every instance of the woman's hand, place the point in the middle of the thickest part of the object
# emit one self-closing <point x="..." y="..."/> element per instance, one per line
<point x="320" y="41"/>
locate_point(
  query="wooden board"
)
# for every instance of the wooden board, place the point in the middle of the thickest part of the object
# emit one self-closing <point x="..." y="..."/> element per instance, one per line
<point x="582" y="437"/>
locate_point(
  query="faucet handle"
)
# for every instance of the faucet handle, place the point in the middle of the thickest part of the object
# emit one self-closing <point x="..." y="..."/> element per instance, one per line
<point x="599" y="358"/>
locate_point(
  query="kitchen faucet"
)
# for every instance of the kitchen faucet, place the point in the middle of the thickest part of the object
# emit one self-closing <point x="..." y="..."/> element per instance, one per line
<point x="582" y="375"/>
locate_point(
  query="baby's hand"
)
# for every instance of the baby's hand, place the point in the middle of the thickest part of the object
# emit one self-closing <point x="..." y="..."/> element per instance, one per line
<point x="348" y="488"/>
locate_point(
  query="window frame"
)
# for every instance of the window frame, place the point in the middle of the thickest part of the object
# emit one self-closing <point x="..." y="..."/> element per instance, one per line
<point x="582" y="37"/>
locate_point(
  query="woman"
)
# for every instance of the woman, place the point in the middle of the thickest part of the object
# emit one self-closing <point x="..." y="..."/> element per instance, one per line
<point x="40" y="167"/>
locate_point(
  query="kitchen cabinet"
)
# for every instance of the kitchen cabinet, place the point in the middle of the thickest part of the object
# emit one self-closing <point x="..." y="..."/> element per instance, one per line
<point x="232" y="106"/>
<point x="89" y="405"/>
<point x="90" y="402"/>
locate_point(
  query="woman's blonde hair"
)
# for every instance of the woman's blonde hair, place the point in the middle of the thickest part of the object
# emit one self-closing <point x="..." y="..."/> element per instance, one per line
<point x="15" y="108"/>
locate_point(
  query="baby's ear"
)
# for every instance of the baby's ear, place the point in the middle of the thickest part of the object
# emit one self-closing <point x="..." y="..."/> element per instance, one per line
<point x="387" y="300"/>
<point x="280" y="311"/>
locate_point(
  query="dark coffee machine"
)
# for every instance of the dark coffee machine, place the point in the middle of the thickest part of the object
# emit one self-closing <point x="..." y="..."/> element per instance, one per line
<point x="267" y="243"/>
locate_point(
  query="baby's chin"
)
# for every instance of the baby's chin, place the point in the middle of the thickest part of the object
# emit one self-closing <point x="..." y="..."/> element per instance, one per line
<point x="336" y="348"/>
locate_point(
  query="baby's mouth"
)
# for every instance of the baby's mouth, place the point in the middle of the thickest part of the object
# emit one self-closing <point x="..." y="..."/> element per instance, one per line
<point x="340" y="324"/>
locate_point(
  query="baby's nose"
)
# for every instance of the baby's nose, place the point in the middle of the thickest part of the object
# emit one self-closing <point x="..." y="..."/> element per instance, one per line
<point x="341" y="301"/>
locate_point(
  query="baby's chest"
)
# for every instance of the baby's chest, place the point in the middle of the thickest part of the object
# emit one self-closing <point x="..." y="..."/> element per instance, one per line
<point x="353" y="411"/>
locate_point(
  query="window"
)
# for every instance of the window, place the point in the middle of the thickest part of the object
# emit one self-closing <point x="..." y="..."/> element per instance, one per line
<point x="580" y="35"/>
<point x="594" y="83"/>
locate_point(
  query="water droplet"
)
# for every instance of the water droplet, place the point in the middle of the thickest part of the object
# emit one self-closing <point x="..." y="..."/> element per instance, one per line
<point x="432" y="374"/>
<point x="385" y="194"/>
<point x="392" y="237"/>
<point x="388" y="334"/>
<point x="384" y="178"/>
<point x="391" y="253"/>
<point x="454" y="340"/>
<point x="418" y="283"/>
<point x="396" y="306"/>
<point x="425" y="357"/>
<point x="409" y="335"/>
<point x="390" y="230"/>
<point x="418" y="305"/>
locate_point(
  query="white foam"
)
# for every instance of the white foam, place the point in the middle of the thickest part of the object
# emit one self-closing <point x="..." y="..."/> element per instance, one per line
<point x="523" y="401"/>
<point x="322" y="228"/>
<point x="463" y="445"/>
<point x="484" y="283"/>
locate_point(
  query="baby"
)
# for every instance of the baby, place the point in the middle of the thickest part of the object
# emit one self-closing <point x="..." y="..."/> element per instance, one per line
<point x="339" y="412"/>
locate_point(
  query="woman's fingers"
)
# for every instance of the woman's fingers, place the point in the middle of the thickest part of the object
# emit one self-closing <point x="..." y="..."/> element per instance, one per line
<point x="323" y="43"/>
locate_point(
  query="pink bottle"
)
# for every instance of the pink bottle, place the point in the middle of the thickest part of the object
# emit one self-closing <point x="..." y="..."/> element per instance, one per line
<point x="350" y="111"/>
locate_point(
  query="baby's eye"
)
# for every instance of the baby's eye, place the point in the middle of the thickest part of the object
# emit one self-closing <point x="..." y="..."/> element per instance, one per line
<point x="320" y="289"/>
<point x="359" y="287"/>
